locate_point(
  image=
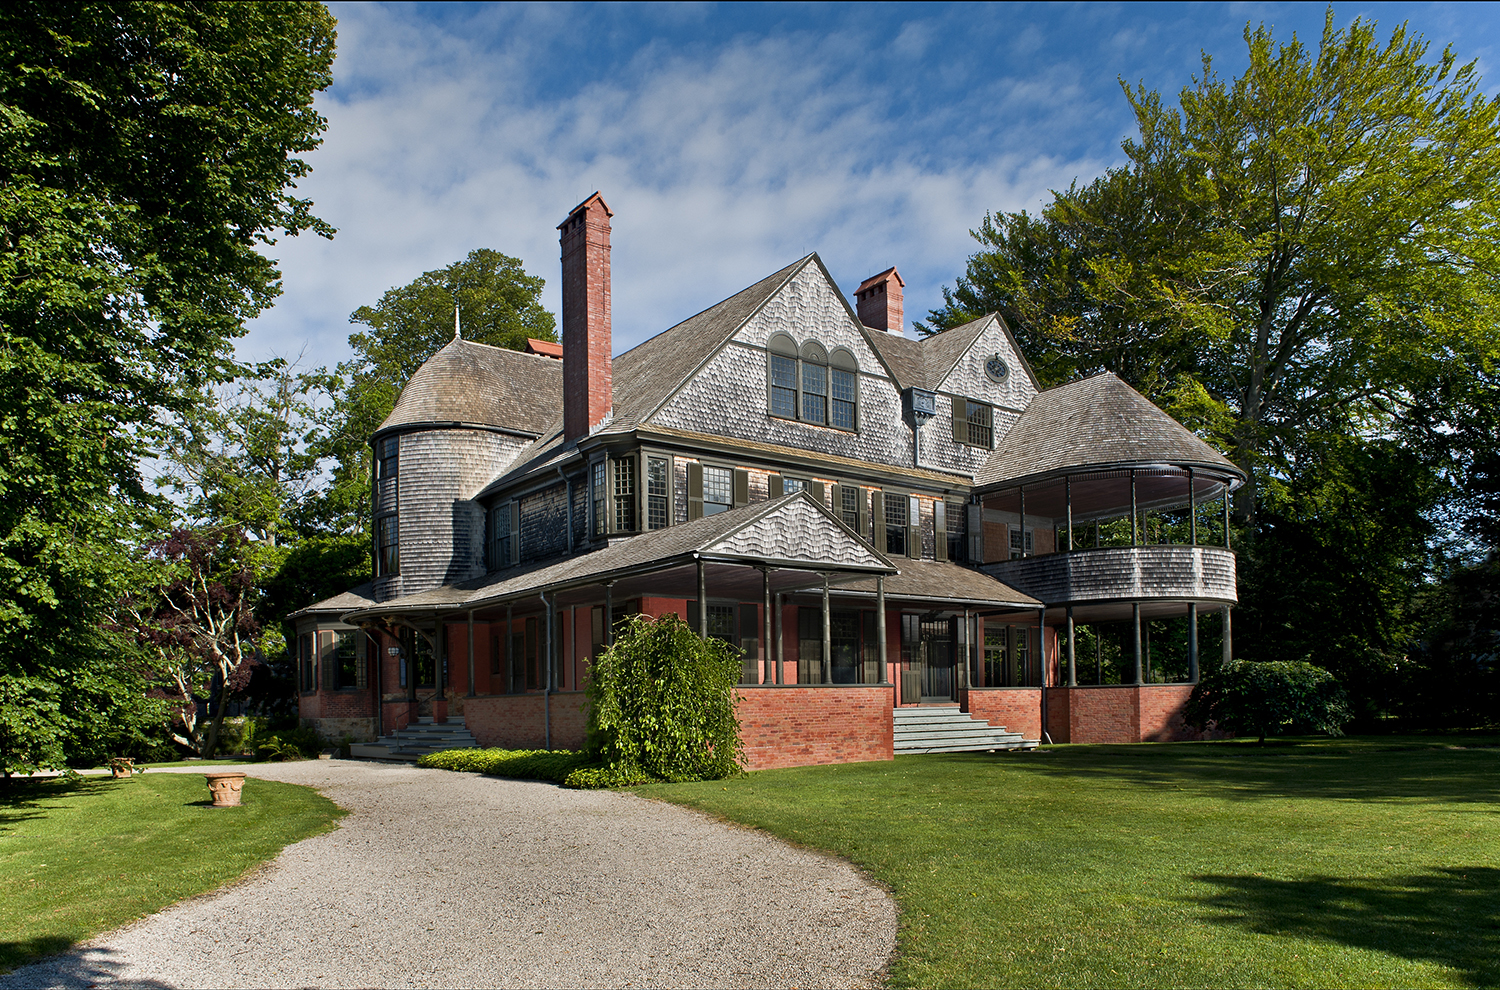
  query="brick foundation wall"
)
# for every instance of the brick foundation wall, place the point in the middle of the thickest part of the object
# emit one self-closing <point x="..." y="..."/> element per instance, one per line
<point x="814" y="725"/>
<point x="519" y="721"/>
<point x="1018" y="709"/>
<point x="1111" y="714"/>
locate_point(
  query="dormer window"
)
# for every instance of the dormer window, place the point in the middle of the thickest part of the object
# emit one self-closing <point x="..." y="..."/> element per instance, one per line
<point x="810" y="385"/>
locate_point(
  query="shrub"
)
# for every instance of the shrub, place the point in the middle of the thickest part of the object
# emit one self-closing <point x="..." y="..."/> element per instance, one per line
<point x="661" y="704"/>
<point x="288" y="744"/>
<point x="526" y="764"/>
<point x="1269" y="698"/>
<point x="596" y="778"/>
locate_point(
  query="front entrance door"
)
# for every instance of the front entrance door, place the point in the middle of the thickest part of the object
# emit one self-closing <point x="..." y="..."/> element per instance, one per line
<point x="928" y="674"/>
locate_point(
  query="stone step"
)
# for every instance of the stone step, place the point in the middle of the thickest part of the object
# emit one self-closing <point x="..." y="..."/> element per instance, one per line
<point x="977" y="733"/>
<point x="947" y="729"/>
<point x="1020" y="744"/>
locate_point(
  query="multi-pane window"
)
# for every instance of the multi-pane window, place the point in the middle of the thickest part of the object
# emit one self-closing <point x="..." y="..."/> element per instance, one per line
<point x="388" y="547"/>
<point x="790" y="485"/>
<point x="305" y="654"/>
<point x="783" y="386"/>
<point x="896" y="527"/>
<point x="981" y="425"/>
<point x="842" y="409"/>
<point x="718" y="490"/>
<point x="657" y="504"/>
<point x="1020" y="546"/>
<point x="346" y="654"/>
<point x="849" y="507"/>
<point x="598" y="493"/>
<point x="389" y="459"/>
<point x="957" y="523"/>
<point x="810" y="385"/>
<point x="625" y="495"/>
<point x="500" y="547"/>
<point x="814" y="392"/>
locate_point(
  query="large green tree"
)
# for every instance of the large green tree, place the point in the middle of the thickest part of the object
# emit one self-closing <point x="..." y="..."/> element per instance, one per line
<point x="1301" y="263"/>
<point x="150" y="152"/>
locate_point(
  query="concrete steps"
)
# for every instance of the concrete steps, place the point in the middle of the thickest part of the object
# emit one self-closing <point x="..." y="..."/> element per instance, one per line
<point x="415" y="741"/>
<point x="945" y="729"/>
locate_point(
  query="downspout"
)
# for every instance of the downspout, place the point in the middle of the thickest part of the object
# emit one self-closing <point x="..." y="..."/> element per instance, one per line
<point x="569" y="483"/>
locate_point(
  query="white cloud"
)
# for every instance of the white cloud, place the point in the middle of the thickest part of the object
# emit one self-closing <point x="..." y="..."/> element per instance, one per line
<point x="722" y="164"/>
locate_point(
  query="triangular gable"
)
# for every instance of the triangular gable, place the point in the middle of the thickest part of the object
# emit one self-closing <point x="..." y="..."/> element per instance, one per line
<point x="798" y="529"/>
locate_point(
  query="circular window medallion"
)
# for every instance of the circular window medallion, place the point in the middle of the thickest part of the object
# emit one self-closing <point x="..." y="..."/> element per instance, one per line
<point x="996" y="368"/>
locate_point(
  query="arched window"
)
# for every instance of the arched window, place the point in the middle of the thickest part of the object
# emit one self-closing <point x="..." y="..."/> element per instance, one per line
<point x="783" y="376"/>
<point x="810" y="385"/>
<point x="814" y="383"/>
<point x="843" y="391"/>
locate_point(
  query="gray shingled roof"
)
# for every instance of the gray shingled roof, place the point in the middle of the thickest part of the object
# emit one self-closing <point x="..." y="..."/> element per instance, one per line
<point x="360" y="596"/>
<point x="941" y="580"/>
<point x="477" y="384"/>
<point x="805" y="533"/>
<point x="1097" y="422"/>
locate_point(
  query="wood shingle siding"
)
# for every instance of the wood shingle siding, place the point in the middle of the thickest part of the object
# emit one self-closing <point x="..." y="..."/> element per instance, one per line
<point x="1118" y="573"/>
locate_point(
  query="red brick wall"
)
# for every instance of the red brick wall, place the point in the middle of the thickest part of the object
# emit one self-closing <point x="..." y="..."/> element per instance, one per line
<point x="1161" y="708"/>
<point x="809" y="726"/>
<point x="1018" y="709"/>
<point x="519" y="721"/>
<point x="1112" y="714"/>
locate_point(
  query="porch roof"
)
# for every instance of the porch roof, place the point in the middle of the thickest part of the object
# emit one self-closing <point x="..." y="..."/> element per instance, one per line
<point x="794" y="534"/>
<point x="943" y="581"/>
<point x="359" y="596"/>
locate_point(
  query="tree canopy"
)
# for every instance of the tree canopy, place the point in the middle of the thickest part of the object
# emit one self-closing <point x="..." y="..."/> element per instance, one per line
<point x="150" y="152"/>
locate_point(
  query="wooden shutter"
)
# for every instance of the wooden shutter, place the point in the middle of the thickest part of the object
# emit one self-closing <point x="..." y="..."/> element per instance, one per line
<point x="960" y="421"/>
<point x="326" y="659"/>
<point x="773" y="486"/>
<point x="816" y="489"/>
<point x="863" y="498"/>
<point x="877" y="516"/>
<point x="741" y="487"/>
<point x="515" y="532"/>
<point x="695" y="490"/>
<point x="913" y="528"/>
<point x="940" y="529"/>
<point x="837" y="500"/>
<point x="976" y="533"/>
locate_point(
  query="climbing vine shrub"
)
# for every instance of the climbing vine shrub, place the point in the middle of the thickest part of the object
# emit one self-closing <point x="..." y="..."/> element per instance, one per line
<point x="1270" y="698"/>
<point x="661" y="705"/>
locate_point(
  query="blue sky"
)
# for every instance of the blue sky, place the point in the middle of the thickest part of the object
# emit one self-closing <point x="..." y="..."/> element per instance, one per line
<point x="731" y="139"/>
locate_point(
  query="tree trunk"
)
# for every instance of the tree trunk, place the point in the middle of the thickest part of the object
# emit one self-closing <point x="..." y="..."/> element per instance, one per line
<point x="211" y="742"/>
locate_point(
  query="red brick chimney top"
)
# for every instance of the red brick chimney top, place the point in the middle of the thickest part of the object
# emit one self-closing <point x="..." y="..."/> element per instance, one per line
<point x="878" y="301"/>
<point x="587" y="392"/>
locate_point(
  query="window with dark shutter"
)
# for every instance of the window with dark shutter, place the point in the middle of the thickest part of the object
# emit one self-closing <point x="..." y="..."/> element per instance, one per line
<point x="741" y="487"/>
<point x="897" y="508"/>
<point x="624" y="495"/>
<point x="695" y="490"/>
<point x="658" y="502"/>
<point x="718" y="490"/>
<point x="981" y="423"/>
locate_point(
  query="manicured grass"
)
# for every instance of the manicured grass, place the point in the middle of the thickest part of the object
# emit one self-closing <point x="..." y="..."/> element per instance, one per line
<point x="1332" y="863"/>
<point x="83" y="856"/>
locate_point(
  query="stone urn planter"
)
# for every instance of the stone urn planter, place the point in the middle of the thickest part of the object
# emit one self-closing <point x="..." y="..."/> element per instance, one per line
<point x="225" y="788"/>
<point x="121" y="767"/>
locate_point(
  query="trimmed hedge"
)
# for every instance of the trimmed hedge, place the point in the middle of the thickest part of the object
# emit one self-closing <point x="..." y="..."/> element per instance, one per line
<point x="525" y="764"/>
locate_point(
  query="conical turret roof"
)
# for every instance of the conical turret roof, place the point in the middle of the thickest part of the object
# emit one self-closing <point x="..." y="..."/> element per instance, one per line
<point x="472" y="384"/>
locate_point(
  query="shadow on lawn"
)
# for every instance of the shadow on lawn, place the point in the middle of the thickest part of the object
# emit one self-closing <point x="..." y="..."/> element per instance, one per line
<point x="21" y="799"/>
<point x="1447" y="916"/>
<point x="1311" y="770"/>
<point x="68" y="967"/>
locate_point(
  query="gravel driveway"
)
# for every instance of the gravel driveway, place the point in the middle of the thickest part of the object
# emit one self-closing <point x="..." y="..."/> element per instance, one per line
<point x="440" y="879"/>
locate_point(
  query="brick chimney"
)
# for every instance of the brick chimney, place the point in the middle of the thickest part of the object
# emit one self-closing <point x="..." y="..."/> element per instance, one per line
<point x="878" y="300"/>
<point x="587" y="397"/>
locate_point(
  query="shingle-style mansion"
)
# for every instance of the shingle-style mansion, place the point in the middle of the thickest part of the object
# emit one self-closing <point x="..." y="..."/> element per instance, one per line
<point x="906" y="539"/>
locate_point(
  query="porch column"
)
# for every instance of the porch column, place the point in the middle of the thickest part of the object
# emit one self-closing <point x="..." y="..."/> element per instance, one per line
<point x="547" y="684"/>
<point x="1228" y="639"/>
<point x="1041" y="648"/>
<point x="439" y="658"/>
<point x="1133" y="513"/>
<point x="471" y="653"/>
<point x="609" y="613"/>
<point x="1022" y="490"/>
<point x="1068" y="498"/>
<point x="411" y="663"/>
<point x="510" y="661"/>
<point x="1072" y="646"/>
<point x="1192" y="510"/>
<point x="885" y="674"/>
<point x="965" y="651"/>
<point x="1193" y="642"/>
<point x="1135" y="618"/>
<point x="780" y="644"/>
<point x="702" y="603"/>
<point x="766" y="675"/>
<point x="827" y="637"/>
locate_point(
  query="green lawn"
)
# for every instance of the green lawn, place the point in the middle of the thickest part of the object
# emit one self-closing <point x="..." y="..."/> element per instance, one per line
<point x="1334" y="863"/>
<point x="84" y="856"/>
